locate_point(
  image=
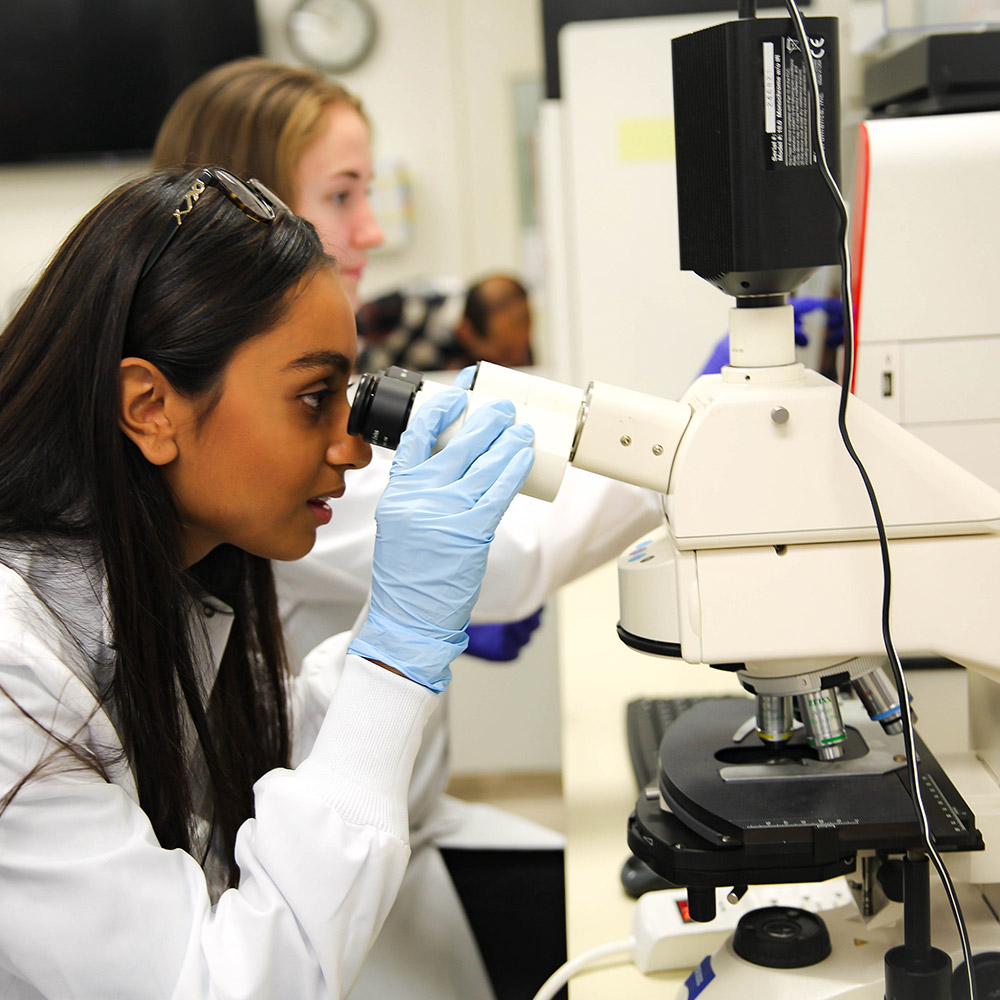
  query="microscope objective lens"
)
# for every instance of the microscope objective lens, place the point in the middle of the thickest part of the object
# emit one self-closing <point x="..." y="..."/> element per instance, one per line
<point x="774" y="718"/>
<point x="824" y="725"/>
<point x="878" y="695"/>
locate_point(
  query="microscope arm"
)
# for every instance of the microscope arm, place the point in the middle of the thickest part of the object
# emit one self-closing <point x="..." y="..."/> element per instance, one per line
<point x="769" y="553"/>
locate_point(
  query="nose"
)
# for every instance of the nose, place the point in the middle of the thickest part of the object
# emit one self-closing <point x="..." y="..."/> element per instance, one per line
<point x="353" y="452"/>
<point x="367" y="233"/>
<point x="349" y="451"/>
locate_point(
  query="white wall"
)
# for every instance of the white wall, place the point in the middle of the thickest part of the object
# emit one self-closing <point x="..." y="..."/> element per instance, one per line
<point x="504" y="717"/>
<point x="38" y="207"/>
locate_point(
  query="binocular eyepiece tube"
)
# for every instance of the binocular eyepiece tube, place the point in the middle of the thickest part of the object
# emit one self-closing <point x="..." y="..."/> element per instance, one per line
<point x="618" y="433"/>
<point x="384" y="402"/>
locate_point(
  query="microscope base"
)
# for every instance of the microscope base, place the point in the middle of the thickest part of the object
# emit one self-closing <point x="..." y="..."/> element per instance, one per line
<point x="855" y="968"/>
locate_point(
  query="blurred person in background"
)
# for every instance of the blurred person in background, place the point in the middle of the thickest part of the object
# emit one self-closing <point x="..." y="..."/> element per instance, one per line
<point x="429" y="327"/>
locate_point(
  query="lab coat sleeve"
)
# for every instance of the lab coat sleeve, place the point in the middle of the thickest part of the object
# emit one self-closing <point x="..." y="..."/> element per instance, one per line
<point x="94" y="908"/>
<point x="312" y="688"/>
<point x="539" y="546"/>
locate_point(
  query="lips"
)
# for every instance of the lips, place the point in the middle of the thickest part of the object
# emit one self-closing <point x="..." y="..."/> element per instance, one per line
<point x="320" y="505"/>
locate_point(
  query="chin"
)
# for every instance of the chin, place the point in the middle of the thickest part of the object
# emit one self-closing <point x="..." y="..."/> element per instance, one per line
<point x="285" y="551"/>
<point x="290" y="555"/>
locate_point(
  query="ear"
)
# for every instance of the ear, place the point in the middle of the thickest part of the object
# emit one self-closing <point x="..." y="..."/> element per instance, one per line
<point x="145" y="410"/>
<point x="466" y="336"/>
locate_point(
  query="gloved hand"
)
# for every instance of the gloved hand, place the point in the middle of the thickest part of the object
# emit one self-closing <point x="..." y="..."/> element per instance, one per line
<point x="501" y="642"/>
<point x="465" y="378"/>
<point x="435" y="521"/>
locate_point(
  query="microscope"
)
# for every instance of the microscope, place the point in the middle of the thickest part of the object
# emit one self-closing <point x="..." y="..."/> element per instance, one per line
<point x="770" y="564"/>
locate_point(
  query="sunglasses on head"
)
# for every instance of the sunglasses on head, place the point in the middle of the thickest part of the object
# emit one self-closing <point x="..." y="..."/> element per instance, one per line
<point x="251" y="197"/>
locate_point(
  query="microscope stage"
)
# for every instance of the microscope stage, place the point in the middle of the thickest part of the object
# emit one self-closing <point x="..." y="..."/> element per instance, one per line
<point x="741" y="813"/>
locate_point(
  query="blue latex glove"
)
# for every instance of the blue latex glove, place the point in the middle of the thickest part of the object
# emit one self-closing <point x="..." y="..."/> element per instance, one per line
<point x="465" y="378"/>
<point x="436" y="520"/>
<point x="501" y="642"/>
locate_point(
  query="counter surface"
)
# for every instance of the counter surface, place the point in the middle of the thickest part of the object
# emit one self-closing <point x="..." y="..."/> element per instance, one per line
<point x="598" y="677"/>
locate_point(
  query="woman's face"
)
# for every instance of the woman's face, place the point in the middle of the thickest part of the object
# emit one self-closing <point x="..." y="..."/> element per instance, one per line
<point x="331" y="183"/>
<point x="258" y="469"/>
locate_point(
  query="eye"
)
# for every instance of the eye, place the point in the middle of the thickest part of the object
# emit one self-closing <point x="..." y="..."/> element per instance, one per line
<point x="340" y="197"/>
<point x="317" y="399"/>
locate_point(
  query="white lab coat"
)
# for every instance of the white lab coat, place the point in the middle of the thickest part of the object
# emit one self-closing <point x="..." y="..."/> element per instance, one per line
<point x="91" y="907"/>
<point x="426" y="942"/>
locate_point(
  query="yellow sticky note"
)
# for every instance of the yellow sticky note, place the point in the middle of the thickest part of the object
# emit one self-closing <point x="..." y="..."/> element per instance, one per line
<point x="646" y="139"/>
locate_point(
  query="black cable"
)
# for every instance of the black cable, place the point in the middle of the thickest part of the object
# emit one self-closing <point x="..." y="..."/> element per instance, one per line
<point x="909" y="743"/>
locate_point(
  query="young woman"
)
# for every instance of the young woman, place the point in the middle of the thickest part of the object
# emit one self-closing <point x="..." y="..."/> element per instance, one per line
<point x="306" y="137"/>
<point x="180" y="816"/>
<point x="309" y="139"/>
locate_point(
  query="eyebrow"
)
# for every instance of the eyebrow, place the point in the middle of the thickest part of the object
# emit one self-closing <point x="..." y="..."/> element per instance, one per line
<point x="351" y="175"/>
<point x="317" y="360"/>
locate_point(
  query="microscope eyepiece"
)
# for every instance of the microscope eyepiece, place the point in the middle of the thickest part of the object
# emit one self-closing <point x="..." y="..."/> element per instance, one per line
<point x="382" y="405"/>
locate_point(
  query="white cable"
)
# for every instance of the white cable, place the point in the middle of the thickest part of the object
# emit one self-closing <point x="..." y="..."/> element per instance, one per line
<point x="566" y="972"/>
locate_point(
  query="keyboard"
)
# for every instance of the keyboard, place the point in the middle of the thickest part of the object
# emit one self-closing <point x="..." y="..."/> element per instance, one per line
<point x="646" y="720"/>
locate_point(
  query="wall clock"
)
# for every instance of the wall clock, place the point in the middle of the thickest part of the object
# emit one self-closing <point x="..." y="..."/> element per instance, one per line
<point x="332" y="35"/>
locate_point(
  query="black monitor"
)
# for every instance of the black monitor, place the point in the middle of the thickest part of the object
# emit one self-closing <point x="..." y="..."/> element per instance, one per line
<point x="84" y="78"/>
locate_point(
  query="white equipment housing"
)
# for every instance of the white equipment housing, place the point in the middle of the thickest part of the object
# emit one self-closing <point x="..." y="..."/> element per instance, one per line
<point x="926" y="227"/>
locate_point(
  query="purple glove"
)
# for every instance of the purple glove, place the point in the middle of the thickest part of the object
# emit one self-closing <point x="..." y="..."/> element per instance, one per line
<point x="502" y="642"/>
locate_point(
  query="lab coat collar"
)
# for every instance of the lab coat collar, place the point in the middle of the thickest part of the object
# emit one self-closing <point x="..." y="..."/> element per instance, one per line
<point x="216" y="623"/>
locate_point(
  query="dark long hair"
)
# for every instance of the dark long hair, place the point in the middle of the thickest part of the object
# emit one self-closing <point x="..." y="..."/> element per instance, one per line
<point x="70" y="476"/>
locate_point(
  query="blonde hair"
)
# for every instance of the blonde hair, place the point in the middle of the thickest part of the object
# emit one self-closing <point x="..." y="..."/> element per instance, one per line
<point x="252" y="116"/>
